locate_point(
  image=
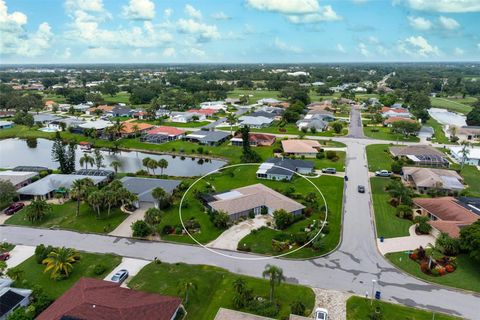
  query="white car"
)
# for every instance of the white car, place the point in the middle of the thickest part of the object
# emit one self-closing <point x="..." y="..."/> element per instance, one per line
<point x="383" y="173"/>
<point x="321" y="314"/>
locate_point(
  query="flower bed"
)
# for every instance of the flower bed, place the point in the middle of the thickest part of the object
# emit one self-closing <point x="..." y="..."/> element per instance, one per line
<point x="431" y="266"/>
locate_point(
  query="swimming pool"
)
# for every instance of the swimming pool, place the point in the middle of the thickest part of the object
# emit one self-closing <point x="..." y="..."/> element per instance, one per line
<point x="47" y="129"/>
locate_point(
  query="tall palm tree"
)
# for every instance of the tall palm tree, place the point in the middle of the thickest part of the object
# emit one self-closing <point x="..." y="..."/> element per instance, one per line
<point x="78" y="191"/>
<point x="110" y="198"/>
<point x="135" y="129"/>
<point x="115" y="165"/>
<point x="186" y="288"/>
<point x="86" y="160"/>
<point x="152" y="164"/>
<point x="276" y="277"/>
<point x="37" y="210"/>
<point x="162" y="164"/>
<point x="465" y="151"/>
<point x="117" y="128"/>
<point x="145" y="162"/>
<point x="60" y="262"/>
<point x="96" y="199"/>
<point x="231" y="119"/>
<point x="160" y="196"/>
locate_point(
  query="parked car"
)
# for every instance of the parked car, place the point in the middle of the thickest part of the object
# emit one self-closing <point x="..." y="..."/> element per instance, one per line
<point x="383" y="173"/>
<point x="361" y="189"/>
<point x="4" y="256"/>
<point x="120" y="276"/>
<point x="321" y="314"/>
<point x="14" y="207"/>
<point x="329" y="170"/>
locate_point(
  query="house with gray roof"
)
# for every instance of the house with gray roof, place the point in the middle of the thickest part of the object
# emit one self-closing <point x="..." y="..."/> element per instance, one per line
<point x="424" y="179"/>
<point x="12" y="298"/>
<point x="255" y="121"/>
<point x="44" y="118"/>
<point x="143" y="188"/>
<point x="210" y="138"/>
<point x="18" y="178"/>
<point x="283" y="168"/>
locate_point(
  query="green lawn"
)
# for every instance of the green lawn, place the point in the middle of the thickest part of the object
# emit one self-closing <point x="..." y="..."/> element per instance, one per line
<point x="466" y="276"/>
<point x="387" y="223"/>
<point x="471" y="175"/>
<point x="455" y="105"/>
<point x="325" y="163"/>
<point x="359" y="308"/>
<point x="291" y="128"/>
<point x="120" y="97"/>
<point x="214" y="288"/>
<point x="33" y="272"/>
<point x="439" y="135"/>
<point x="64" y="217"/>
<point x="385" y="134"/>
<point x="379" y="157"/>
<point x="254" y="95"/>
<point x="195" y="124"/>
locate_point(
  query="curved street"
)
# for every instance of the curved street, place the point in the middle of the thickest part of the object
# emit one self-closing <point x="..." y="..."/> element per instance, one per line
<point x="351" y="268"/>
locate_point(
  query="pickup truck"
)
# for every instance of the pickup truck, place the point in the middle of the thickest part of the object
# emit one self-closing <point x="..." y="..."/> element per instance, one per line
<point x="383" y="173"/>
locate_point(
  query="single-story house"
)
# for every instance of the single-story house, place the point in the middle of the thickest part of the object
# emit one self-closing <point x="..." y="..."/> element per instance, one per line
<point x="261" y="113"/>
<point x="47" y="186"/>
<point x="472" y="155"/>
<point x="6" y="124"/>
<point x="102" y="109"/>
<point x="7" y="113"/>
<point x="448" y="214"/>
<point x="426" y="132"/>
<point x="310" y="123"/>
<point x="390" y="120"/>
<point x="255" y="139"/>
<point x="160" y="113"/>
<point x="91" y="298"/>
<point x="424" y="179"/>
<point x="307" y="148"/>
<point x="98" y="125"/>
<point x="421" y="155"/>
<point x="206" y="137"/>
<point x="120" y="111"/>
<point x="30" y="169"/>
<point x="240" y="202"/>
<point x="276" y="111"/>
<point x="469" y="133"/>
<point x="131" y="128"/>
<point x="171" y="132"/>
<point x="216" y="105"/>
<point x="321" y="105"/>
<point x="255" y="122"/>
<point x="143" y="188"/>
<point x="12" y="298"/>
<point x="18" y="178"/>
<point x="185" y="117"/>
<point x="44" y="118"/>
<point x="320" y="114"/>
<point x="82" y="107"/>
<point x="68" y="122"/>
<point x="271" y="169"/>
<point x="49" y="104"/>
<point x="269" y="101"/>
<point x="205" y="112"/>
<point x="395" y="112"/>
<point x="96" y="172"/>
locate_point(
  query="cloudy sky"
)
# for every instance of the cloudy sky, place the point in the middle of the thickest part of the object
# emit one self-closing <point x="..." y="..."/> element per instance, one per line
<point x="82" y="31"/>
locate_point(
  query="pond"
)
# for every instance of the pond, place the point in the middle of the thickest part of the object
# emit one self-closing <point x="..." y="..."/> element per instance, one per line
<point x="446" y="117"/>
<point x="17" y="152"/>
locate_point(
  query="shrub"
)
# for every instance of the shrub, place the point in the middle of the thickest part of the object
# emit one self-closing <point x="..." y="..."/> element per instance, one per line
<point x="300" y="238"/>
<point x="251" y="214"/>
<point x="41" y="252"/>
<point x="449" y="268"/>
<point x="141" y="229"/>
<point x="396" y="167"/>
<point x="244" y="247"/>
<point x="99" y="269"/>
<point x="332" y="155"/>
<point x="424" y="267"/>
<point x="264" y="308"/>
<point x="414" y="256"/>
<point x="283" y="218"/>
<point x="282" y="237"/>
<point x="297" y="307"/>
<point x="441" y="270"/>
<point x="435" y="272"/>
<point x="404" y="212"/>
<point x="167" y="229"/>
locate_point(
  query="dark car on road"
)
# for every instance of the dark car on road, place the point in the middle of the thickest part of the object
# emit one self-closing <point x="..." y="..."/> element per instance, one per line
<point x="361" y="189"/>
<point x="4" y="256"/>
<point x="329" y="170"/>
<point x="14" y="207"/>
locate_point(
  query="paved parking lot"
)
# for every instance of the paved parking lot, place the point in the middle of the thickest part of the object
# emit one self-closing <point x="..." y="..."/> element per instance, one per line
<point x="133" y="266"/>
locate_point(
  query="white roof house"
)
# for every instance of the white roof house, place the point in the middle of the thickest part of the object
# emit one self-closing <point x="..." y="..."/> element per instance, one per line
<point x="255" y="122"/>
<point x="185" y="117"/>
<point x="215" y="105"/>
<point x="97" y="124"/>
<point x="17" y="178"/>
<point x="472" y="155"/>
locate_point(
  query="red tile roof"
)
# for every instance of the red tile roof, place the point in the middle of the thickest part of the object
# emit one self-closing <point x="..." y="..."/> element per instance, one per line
<point x="129" y="126"/>
<point x="207" y="112"/>
<point x="397" y="110"/>
<point x="398" y="119"/>
<point x="97" y="299"/>
<point x="170" y="131"/>
<point x="264" y="139"/>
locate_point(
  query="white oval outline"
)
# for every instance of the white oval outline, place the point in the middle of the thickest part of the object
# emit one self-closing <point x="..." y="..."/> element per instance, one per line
<point x="250" y="258"/>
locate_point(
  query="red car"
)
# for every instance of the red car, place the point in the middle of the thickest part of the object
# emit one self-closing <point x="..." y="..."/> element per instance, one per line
<point x="4" y="256"/>
<point x="14" y="207"/>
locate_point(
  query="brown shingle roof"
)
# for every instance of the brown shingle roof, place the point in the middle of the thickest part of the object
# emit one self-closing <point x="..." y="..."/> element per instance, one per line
<point x="432" y="178"/>
<point x="300" y="146"/>
<point x="417" y="150"/>
<point x="97" y="299"/>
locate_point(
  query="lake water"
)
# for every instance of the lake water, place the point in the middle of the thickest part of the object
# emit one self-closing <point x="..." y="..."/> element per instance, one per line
<point x="16" y="152"/>
<point x="446" y="117"/>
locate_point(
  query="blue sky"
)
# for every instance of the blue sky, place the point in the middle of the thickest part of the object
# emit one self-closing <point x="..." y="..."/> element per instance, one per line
<point x="163" y="31"/>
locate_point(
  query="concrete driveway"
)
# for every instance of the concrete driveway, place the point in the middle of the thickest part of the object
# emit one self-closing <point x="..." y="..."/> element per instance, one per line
<point x="124" y="229"/>
<point x="231" y="237"/>
<point x="19" y="254"/>
<point x="133" y="266"/>
<point x="407" y="243"/>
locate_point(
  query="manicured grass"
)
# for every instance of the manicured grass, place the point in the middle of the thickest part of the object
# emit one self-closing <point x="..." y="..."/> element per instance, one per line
<point x="291" y="128"/>
<point x="379" y="157"/>
<point x="120" y="97"/>
<point x="64" y="216"/>
<point x="359" y="308"/>
<point x="466" y="276"/>
<point x="214" y="288"/>
<point x="385" y="134"/>
<point x="325" y="163"/>
<point x="33" y="273"/>
<point x="254" y="95"/>
<point x="195" y="124"/>
<point x="471" y="176"/>
<point x="387" y="223"/>
<point x="452" y="104"/>
<point x="439" y="135"/>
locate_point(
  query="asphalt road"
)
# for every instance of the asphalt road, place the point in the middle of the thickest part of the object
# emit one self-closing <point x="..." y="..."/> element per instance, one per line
<point x="351" y="268"/>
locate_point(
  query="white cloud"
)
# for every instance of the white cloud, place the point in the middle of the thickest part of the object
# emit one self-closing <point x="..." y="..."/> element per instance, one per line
<point x="445" y="5"/>
<point x="15" y="40"/>
<point x="448" y="23"/>
<point x="139" y="10"/>
<point x="417" y="47"/>
<point x="286" y="6"/>
<point x="192" y="12"/>
<point x="325" y="13"/>
<point x="196" y="52"/>
<point x="279" y="44"/>
<point x="100" y="52"/>
<point x="362" y="48"/>
<point x="203" y="31"/>
<point x="85" y="5"/>
<point x="169" y="52"/>
<point x="67" y="53"/>
<point x="419" y="23"/>
<point x="168" y="12"/>
<point x="478" y="46"/>
<point x="458" y="51"/>
<point x="220" y="16"/>
<point x="373" y="40"/>
<point x="340" y="48"/>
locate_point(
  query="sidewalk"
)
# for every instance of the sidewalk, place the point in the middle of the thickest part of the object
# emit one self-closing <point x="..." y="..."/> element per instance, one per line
<point x="124" y="229"/>
<point x="407" y="243"/>
<point x="19" y="254"/>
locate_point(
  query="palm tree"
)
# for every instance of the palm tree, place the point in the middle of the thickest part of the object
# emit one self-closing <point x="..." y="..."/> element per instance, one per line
<point x="231" y="119"/>
<point x="60" y="262"/>
<point x="80" y="190"/>
<point x="239" y="285"/>
<point x="37" y="210"/>
<point x="145" y="162"/>
<point x="95" y="199"/>
<point x="465" y="151"/>
<point x="135" y="129"/>
<point x="160" y="196"/>
<point x="115" y="165"/>
<point x="276" y="277"/>
<point x="118" y="128"/>
<point x="87" y="160"/>
<point x="453" y="130"/>
<point x="186" y="288"/>
<point x="152" y="164"/>
<point x="110" y="198"/>
<point x="98" y="158"/>
<point x="162" y="164"/>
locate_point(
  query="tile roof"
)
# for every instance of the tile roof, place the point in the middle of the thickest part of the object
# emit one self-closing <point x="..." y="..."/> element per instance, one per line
<point x="300" y="146"/>
<point x="143" y="187"/>
<point x="207" y="112"/>
<point x="398" y="119"/>
<point x="166" y="130"/>
<point x="260" y="138"/>
<point x="97" y="299"/>
<point x="432" y="178"/>
<point x="417" y="150"/>
<point x="128" y="126"/>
